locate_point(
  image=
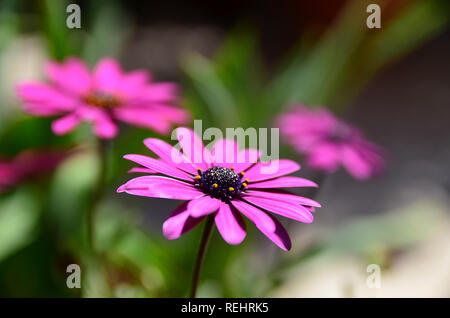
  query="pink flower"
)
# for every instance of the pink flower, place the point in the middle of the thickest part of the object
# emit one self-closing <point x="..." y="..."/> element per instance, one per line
<point x="328" y="142"/>
<point x="27" y="165"/>
<point x="225" y="182"/>
<point x="103" y="97"/>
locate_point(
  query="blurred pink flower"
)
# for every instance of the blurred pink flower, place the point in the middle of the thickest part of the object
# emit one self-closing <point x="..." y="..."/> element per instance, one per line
<point x="329" y="142"/>
<point x="227" y="182"/>
<point x="28" y="165"/>
<point x="103" y="97"/>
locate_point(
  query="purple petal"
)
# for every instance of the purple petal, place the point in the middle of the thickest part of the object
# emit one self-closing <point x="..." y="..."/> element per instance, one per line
<point x="160" y="92"/>
<point x="355" y="164"/>
<point x="246" y="158"/>
<point x="264" y="171"/>
<point x="107" y="75"/>
<point x="72" y="75"/>
<point x="230" y="225"/>
<point x="104" y="127"/>
<point x="261" y="219"/>
<point x="143" y="117"/>
<point x="41" y="98"/>
<point x="172" y="114"/>
<point x="286" y="209"/>
<point x="283" y="196"/>
<point x="325" y="157"/>
<point x="160" y="187"/>
<point x="159" y="166"/>
<point x="224" y="153"/>
<point x="179" y="222"/>
<point x="280" y="236"/>
<point x="141" y="170"/>
<point x="203" y="206"/>
<point x="65" y="124"/>
<point x="169" y="154"/>
<point x="132" y="84"/>
<point x="193" y="148"/>
<point x="283" y="182"/>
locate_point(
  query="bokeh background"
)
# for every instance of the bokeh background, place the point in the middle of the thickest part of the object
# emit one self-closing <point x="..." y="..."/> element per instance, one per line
<point x="239" y="63"/>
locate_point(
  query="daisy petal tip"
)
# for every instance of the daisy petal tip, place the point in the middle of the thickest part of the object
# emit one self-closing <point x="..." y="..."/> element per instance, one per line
<point x="121" y="189"/>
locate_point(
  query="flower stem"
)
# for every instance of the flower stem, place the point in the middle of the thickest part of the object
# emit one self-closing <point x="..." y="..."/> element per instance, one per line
<point x="206" y="236"/>
<point x="97" y="193"/>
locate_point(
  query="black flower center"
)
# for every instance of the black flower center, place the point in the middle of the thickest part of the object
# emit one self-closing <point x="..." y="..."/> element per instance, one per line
<point x="221" y="183"/>
<point x="102" y="100"/>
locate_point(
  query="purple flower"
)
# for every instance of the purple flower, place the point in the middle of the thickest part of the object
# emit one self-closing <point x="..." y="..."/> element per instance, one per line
<point x="226" y="182"/>
<point x="103" y="97"/>
<point x="328" y="142"/>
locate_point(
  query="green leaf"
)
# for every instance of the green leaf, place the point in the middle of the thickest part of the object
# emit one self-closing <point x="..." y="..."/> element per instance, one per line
<point x="19" y="215"/>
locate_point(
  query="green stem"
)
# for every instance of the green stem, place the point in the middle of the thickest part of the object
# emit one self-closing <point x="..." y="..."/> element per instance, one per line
<point x="206" y="237"/>
<point x="97" y="192"/>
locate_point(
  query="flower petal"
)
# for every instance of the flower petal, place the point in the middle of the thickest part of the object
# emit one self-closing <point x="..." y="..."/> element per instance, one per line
<point x="203" y="206"/>
<point x="269" y="170"/>
<point x="141" y="170"/>
<point x="104" y="127"/>
<point x="132" y="84"/>
<point x="325" y="157"/>
<point x="224" y="153"/>
<point x="143" y="117"/>
<point x="283" y="182"/>
<point x="286" y="209"/>
<point x="280" y="236"/>
<point x="160" y="92"/>
<point x="179" y="222"/>
<point x="283" y="196"/>
<point x="72" y="76"/>
<point x="160" y="187"/>
<point x="261" y="219"/>
<point x="107" y="75"/>
<point x="355" y="164"/>
<point x="230" y="225"/>
<point x="170" y="154"/>
<point x="193" y="148"/>
<point x="246" y="158"/>
<point x="159" y="166"/>
<point x="41" y="98"/>
<point x="65" y="124"/>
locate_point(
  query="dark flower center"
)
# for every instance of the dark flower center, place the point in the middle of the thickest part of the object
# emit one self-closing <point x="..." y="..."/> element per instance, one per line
<point x="102" y="100"/>
<point x="221" y="183"/>
<point x="341" y="133"/>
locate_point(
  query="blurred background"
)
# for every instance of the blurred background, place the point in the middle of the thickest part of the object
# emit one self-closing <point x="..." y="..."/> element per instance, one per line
<point x="239" y="64"/>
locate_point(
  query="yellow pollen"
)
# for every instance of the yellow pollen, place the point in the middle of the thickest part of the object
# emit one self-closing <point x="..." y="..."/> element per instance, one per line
<point x="245" y="185"/>
<point x="231" y="189"/>
<point x="198" y="177"/>
<point x="246" y="180"/>
<point x="242" y="173"/>
<point x="232" y="168"/>
<point x="215" y="185"/>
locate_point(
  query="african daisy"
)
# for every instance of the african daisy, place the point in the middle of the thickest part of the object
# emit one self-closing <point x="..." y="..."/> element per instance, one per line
<point x="103" y="97"/>
<point x="224" y="182"/>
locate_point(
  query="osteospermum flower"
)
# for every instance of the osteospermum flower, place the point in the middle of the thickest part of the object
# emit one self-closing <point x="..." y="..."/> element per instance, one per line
<point x="103" y="97"/>
<point x="225" y="182"/>
<point x="329" y="142"/>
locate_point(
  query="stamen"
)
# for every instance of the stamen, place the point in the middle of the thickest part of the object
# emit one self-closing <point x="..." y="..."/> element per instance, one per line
<point x="102" y="100"/>
<point x="220" y="182"/>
